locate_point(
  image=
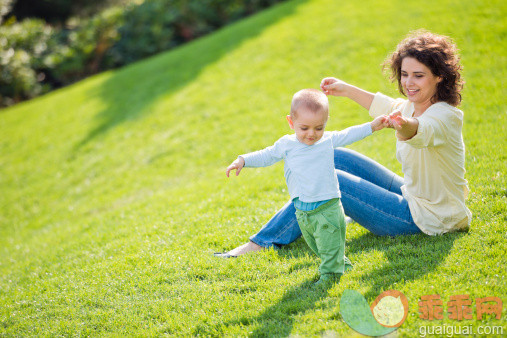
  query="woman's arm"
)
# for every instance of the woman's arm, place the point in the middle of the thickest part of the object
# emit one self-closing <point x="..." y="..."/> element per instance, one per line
<point x="336" y="87"/>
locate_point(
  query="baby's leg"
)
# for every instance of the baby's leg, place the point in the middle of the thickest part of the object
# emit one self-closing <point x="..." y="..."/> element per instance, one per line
<point x="307" y="225"/>
<point x="330" y="239"/>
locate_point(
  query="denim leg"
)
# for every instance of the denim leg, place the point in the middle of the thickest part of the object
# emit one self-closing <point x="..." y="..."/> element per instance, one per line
<point x="281" y="229"/>
<point x="379" y="210"/>
<point x="364" y="167"/>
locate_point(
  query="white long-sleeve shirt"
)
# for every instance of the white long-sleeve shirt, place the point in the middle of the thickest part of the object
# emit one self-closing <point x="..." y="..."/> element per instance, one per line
<point x="309" y="169"/>
<point x="433" y="164"/>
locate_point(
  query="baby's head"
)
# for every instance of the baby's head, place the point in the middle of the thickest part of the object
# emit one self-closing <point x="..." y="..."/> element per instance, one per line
<point x="308" y="115"/>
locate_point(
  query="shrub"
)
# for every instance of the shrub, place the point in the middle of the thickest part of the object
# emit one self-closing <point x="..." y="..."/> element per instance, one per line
<point x="22" y="47"/>
<point x="35" y="57"/>
<point x="157" y="25"/>
<point x="79" y="52"/>
<point x="5" y="8"/>
<point x="146" y="30"/>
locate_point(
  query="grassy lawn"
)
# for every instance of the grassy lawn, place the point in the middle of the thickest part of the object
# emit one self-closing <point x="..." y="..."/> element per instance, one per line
<point x="114" y="195"/>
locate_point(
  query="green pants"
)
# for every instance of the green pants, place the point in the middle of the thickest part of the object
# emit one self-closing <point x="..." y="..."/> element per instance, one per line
<point x="324" y="232"/>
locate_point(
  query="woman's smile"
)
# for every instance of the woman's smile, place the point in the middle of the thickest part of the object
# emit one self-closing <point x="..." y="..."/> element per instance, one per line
<point x="419" y="83"/>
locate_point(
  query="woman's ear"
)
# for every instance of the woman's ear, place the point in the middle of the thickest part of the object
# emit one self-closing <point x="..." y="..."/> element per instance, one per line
<point x="289" y="119"/>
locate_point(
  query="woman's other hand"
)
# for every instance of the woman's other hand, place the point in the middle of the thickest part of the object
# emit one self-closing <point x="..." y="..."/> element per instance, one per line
<point x="333" y="86"/>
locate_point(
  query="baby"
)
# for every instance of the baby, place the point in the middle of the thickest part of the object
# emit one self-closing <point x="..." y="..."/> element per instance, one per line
<point x="310" y="175"/>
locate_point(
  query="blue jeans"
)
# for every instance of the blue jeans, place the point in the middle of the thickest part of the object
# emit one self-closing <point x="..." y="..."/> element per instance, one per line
<point x="371" y="196"/>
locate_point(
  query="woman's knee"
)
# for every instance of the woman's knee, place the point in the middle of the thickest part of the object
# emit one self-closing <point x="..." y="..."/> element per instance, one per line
<point x="342" y="154"/>
<point x="346" y="159"/>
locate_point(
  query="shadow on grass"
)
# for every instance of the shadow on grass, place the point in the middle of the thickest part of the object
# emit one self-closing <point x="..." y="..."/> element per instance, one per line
<point x="128" y="93"/>
<point x="278" y="319"/>
<point x="409" y="257"/>
<point x="296" y="250"/>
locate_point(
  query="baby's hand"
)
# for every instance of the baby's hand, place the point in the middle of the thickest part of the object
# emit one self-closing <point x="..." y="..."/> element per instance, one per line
<point x="237" y="165"/>
<point x="380" y="122"/>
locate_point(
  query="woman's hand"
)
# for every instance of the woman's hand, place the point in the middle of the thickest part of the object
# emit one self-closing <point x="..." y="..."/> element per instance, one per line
<point x="406" y="128"/>
<point x="237" y="165"/>
<point x="333" y="86"/>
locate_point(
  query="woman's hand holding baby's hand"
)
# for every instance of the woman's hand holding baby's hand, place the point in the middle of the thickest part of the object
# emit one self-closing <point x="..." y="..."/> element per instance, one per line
<point x="333" y="86"/>
<point x="237" y="165"/>
<point x="405" y="128"/>
<point x="380" y="122"/>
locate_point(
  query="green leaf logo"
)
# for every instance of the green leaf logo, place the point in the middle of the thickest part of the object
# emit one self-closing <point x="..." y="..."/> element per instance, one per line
<point x="386" y="314"/>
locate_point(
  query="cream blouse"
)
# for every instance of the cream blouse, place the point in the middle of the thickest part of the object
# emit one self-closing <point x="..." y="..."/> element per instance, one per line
<point x="433" y="164"/>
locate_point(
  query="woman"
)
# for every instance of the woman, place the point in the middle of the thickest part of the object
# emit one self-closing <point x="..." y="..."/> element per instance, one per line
<point x="430" y="198"/>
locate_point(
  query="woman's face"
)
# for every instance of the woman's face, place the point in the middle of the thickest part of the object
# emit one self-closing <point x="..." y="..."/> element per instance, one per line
<point x="418" y="81"/>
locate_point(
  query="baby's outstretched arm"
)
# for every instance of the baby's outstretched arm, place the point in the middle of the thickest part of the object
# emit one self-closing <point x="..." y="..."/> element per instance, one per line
<point x="380" y="122"/>
<point x="237" y="165"/>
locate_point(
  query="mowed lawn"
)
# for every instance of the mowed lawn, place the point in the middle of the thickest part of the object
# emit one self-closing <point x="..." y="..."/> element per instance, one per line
<point x="113" y="194"/>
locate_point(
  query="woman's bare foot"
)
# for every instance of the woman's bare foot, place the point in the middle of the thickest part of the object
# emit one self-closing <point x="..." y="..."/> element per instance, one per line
<point x="245" y="248"/>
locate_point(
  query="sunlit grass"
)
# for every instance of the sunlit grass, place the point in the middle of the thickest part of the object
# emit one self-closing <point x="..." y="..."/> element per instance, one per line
<point x="114" y="195"/>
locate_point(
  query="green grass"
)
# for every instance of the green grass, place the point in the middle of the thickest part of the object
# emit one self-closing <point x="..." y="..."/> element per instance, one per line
<point x="114" y="195"/>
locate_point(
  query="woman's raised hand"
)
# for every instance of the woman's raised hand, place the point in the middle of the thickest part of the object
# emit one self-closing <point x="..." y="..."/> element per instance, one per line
<point x="333" y="86"/>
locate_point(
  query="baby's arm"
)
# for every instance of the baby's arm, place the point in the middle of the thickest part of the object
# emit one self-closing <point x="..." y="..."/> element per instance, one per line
<point x="259" y="158"/>
<point x="237" y="165"/>
<point x="355" y="133"/>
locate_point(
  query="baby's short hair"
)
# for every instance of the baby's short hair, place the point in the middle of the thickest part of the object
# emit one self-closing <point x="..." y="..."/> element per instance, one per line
<point x="311" y="100"/>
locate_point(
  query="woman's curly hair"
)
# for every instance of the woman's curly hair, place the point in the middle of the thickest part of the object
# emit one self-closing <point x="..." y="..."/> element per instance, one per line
<point x="439" y="54"/>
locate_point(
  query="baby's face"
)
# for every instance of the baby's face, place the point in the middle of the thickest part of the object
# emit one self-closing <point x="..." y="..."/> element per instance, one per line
<point x="309" y="126"/>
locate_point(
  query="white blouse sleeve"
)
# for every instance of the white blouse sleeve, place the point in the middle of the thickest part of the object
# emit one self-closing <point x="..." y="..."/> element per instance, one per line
<point x="434" y="127"/>
<point x="384" y="105"/>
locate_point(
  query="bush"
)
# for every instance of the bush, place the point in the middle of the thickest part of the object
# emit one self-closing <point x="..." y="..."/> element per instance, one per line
<point x="157" y="25"/>
<point x="146" y="30"/>
<point x="80" y="52"/>
<point x="23" y="46"/>
<point x="35" y="57"/>
<point x="5" y="8"/>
